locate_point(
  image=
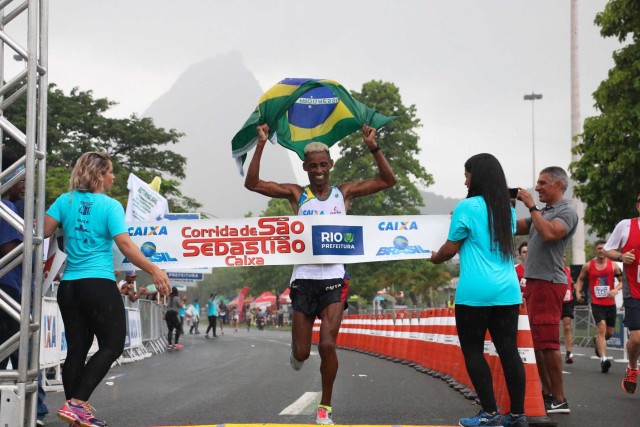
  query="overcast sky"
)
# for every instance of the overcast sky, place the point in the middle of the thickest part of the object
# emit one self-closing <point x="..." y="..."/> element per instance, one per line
<point x="465" y="64"/>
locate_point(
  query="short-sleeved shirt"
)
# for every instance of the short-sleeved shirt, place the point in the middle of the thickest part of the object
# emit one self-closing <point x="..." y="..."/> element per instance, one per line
<point x="619" y="236"/>
<point x="90" y="222"/>
<point x="619" y="240"/>
<point x="13" y="278"/>
<point x="174" y="304"/>
<point x="486" y="278"/>
<point x="545" y="259"/>
<point x="212" y="308"/>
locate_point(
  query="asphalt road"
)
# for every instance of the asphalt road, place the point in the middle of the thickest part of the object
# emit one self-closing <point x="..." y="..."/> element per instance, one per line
<point x="245" y="378"/>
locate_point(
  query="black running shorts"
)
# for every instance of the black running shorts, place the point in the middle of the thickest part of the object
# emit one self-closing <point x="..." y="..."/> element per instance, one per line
<point x="311" y="296"/>
<point x="604" y="312"/>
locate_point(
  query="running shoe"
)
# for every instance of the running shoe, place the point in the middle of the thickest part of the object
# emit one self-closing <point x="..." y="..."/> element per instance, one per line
<point x="511" y="420"/>
<point x="482" y="419"/>
<point x="323" y="415"/>
<point x="630" y="380"/>
<point x="605" y="365"/>
<point x="295" y="363"/>
<point x="79" y="414"/>
<point x="559" y="407"/>
<point x="568" y="358"/>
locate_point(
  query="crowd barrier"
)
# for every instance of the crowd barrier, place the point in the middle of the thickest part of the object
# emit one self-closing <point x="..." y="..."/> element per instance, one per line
<point x="427" y="340"/>
<point x="146" y="335"/>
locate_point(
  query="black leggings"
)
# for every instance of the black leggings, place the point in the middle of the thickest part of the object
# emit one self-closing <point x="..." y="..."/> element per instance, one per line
<point x="502" y="323"/>
<point x="213" y="321"/>
<point x="173" y="322"/>
<point x="90" y="307"/>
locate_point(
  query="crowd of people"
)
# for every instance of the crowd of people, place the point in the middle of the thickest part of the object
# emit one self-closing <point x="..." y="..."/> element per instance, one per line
<point x="490" y="290"/>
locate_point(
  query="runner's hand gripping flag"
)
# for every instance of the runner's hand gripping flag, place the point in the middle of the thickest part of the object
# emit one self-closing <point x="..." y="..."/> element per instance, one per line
<point x="299" y="111"/>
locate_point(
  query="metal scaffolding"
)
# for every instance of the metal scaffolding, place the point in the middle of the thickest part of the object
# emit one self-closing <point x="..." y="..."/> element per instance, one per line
<point x="27" y="132"/>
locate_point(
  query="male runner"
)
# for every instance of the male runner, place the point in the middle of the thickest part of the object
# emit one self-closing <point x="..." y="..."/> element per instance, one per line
<point x="318" y="290"/>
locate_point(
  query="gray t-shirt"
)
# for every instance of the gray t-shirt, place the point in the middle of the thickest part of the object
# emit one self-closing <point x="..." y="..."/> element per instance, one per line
<point x="174" y="304"/>
<point x="544" y="259"/>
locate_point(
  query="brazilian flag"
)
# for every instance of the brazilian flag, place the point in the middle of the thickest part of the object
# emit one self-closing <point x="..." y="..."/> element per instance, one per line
<point x="299" y="111"/>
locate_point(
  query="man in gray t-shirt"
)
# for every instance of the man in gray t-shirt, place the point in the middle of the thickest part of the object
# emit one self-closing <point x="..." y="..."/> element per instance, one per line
<point x="549" y="230"/>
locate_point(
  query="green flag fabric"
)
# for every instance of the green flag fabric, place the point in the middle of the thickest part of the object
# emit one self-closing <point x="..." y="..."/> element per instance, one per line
<point x="300" y="111"/>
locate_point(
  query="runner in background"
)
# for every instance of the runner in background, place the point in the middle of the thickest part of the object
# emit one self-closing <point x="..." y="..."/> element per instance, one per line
<point x="601" y="273"/>
<point x="522" y="254"/>
<point x="568" y="308"/>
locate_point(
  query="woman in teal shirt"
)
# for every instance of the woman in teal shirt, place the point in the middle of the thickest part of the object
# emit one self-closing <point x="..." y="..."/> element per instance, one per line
<point x="88" y="296"/>
<point x="488" y="293"/>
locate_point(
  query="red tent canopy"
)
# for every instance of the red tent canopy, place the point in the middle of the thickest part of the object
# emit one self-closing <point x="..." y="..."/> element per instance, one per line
<point x="284" y="297"/>
<point x="267" y="297"/>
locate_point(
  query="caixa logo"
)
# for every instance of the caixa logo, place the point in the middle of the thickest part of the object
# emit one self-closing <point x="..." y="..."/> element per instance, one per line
<point x="337" y="240"/>
<point x="401" y="246"/>
<point x="148" y="230"/>
<point x="397" y="225"/>
<point x="149" y="250"/>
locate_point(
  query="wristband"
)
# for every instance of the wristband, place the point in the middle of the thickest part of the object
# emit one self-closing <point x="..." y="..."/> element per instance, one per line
<point x="375" y="149"/>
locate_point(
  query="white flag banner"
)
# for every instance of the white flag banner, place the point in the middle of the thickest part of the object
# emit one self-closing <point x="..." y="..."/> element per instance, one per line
<point x="144" y="204"/>
<point x="53" y="264"/>
<point x="313" y="239"/>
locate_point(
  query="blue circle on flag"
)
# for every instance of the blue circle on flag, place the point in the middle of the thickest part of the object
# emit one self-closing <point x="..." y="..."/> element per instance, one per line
<point x="313" y="108"/>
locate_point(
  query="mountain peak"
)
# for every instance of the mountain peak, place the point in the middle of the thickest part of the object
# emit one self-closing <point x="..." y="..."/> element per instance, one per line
<point x="209" y="102"/>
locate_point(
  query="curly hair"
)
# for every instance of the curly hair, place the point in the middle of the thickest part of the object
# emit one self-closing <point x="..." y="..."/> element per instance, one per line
<point x="88" y="170"/>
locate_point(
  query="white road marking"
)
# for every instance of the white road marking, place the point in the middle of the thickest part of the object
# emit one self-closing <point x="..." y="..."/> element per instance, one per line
<point x="298" y="407"/>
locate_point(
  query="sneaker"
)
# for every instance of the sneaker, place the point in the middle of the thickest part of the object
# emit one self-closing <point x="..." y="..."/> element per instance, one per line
<point x="206" y="336"/>
<point x="482" y="419"/>
<point x="66" y="414"/>
<point x="630" y="380"/>
<point x="323" y="415"/>
<point x="511" y="420"/>
<point x="79" y="414"/>
<point x="605" y="365"/>
<point x="547" y="398"/>
<point x="559" y="407"/>
<point x="39" y="422"/>
<point x="568" y="358"/>
<point x="295" y="363"/>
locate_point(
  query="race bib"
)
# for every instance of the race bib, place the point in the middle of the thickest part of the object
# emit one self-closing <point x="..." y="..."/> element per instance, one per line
<point x="601" y="291"/>
<point x="567" y="296"/>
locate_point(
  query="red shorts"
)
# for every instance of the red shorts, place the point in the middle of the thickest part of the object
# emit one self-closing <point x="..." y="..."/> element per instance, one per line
<point x="544" y="304"/>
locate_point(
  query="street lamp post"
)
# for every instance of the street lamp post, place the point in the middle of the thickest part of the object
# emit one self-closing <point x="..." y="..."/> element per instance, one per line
<point x="532" y="98"/>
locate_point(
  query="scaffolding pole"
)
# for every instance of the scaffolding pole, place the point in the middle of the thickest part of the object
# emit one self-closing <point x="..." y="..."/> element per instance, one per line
<point x="24" y="41"/>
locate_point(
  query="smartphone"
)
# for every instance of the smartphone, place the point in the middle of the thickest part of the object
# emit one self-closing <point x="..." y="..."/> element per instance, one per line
<point x="513" y="193"/>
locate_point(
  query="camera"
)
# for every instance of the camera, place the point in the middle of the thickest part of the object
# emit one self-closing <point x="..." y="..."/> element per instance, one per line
<point x="513" y="193"/>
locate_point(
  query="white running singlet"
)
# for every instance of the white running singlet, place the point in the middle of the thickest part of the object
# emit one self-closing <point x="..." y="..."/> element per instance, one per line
<point x="309" y="204"/>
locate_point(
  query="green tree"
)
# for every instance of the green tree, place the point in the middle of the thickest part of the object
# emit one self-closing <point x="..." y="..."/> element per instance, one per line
<point x="76" y="123"/>
<point x="606" y="175"/>
<point x="399" y="141"/>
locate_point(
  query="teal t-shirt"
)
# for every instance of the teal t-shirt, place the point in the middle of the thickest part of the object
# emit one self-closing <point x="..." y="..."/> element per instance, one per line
<point x="90" y="221"/>
<point x="485" y="278"/>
